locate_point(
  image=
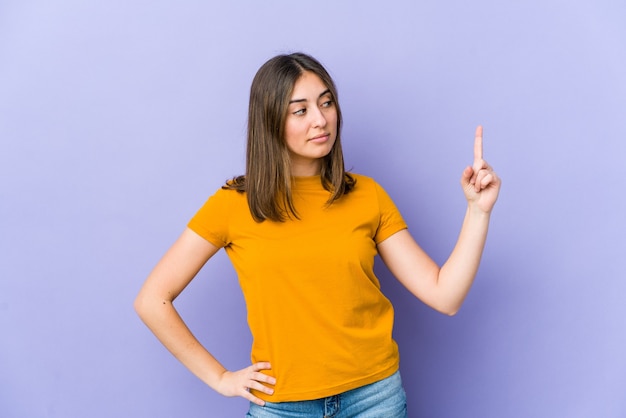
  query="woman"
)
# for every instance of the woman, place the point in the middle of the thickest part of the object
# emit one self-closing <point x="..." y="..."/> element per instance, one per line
<point x="302" y="235"/>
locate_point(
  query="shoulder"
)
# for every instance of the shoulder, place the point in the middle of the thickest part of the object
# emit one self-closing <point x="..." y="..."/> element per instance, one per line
<point x="364" y="183"/>
<point x="360" y="178"/>
<point x="227" y="194"/>
<point x="224" y="198"/>
<point x="368" y="186"/>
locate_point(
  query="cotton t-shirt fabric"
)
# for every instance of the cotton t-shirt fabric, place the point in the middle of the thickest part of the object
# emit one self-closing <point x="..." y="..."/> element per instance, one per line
<point x="315" y="308"/>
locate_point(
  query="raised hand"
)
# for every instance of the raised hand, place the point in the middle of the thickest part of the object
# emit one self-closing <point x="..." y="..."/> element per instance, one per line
<point x="480" y="183"/>
<point x="240" y="382"/>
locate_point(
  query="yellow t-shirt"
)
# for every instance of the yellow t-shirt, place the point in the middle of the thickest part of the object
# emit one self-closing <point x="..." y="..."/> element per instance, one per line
<point x="315" y="308"/>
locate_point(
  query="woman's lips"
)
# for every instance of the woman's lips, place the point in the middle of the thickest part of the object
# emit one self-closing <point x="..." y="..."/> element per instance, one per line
<point x="320" y="138"/>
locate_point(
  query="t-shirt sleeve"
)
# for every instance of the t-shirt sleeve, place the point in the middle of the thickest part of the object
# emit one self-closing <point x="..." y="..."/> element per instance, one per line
<point x="391" y="220"/>
<point x="211" y="220"/>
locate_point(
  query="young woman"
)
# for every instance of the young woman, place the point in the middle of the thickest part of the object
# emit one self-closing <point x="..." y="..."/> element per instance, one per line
<point x="302" y="235"/>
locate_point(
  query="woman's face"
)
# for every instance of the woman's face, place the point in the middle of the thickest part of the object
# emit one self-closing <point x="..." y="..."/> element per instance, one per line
<point x="311" y="125"/>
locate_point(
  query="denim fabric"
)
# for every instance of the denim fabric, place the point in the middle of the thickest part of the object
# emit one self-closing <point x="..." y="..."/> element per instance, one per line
<point x="383" y="399"/>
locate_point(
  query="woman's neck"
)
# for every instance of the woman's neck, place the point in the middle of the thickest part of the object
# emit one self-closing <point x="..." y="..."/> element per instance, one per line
<point x="306" y="169"/>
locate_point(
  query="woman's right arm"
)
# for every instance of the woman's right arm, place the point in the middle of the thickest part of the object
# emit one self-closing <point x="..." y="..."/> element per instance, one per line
<point x="154" y="304"/>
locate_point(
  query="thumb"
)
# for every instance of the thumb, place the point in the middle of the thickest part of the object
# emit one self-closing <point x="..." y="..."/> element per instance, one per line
<point x="466" y="178"/>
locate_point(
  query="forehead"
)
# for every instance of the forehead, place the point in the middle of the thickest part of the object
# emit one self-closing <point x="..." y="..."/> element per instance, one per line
<point x="309" y="84"/>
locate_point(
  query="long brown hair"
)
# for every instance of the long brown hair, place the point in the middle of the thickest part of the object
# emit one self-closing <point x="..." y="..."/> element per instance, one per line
<point x="267" y="181"/>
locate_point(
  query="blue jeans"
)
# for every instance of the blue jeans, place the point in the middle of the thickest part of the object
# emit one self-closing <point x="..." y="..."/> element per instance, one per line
<point x="385" y="398"/>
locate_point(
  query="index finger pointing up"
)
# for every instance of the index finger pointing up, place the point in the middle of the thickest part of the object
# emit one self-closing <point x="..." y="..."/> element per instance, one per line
<point x="478" y="144"/>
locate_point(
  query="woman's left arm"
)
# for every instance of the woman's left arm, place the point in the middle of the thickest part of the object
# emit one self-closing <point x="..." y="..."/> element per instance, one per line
<point x="444" y="288"/>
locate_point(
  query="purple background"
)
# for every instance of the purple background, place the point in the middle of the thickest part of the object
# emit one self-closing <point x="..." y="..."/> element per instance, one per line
<point x="119" y="118"/>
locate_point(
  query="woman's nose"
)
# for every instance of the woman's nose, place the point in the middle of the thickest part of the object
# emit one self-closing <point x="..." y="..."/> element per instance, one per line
<point x="319" y="120"/>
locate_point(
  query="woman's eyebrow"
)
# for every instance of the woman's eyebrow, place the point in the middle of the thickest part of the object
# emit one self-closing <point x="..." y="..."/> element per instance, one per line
<point x="304" y="100"/>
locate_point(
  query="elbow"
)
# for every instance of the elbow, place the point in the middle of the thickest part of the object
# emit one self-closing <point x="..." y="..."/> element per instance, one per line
<point x="149" y="306"/>
<point x="448" y="310"/>
<point x="141" y="306"/>
<point x="449" y="305"/>
<point x="451" y="312"/>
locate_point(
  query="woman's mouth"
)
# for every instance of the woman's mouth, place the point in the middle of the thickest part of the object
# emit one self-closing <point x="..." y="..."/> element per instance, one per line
<point x="320" y="138"/>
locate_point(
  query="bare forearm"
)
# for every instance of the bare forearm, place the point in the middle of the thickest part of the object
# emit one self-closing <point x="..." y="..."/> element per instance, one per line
<point x="172" y="274"/>
<point x="167" y="325"/>
<point x="481" y="186"/>
<point x="444" y="288"/>
<point x="458" y="272"/>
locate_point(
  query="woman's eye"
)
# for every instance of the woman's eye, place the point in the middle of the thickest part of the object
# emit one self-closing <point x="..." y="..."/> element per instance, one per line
<point x="328" y="103"/>
<point x="299" y="112"/>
